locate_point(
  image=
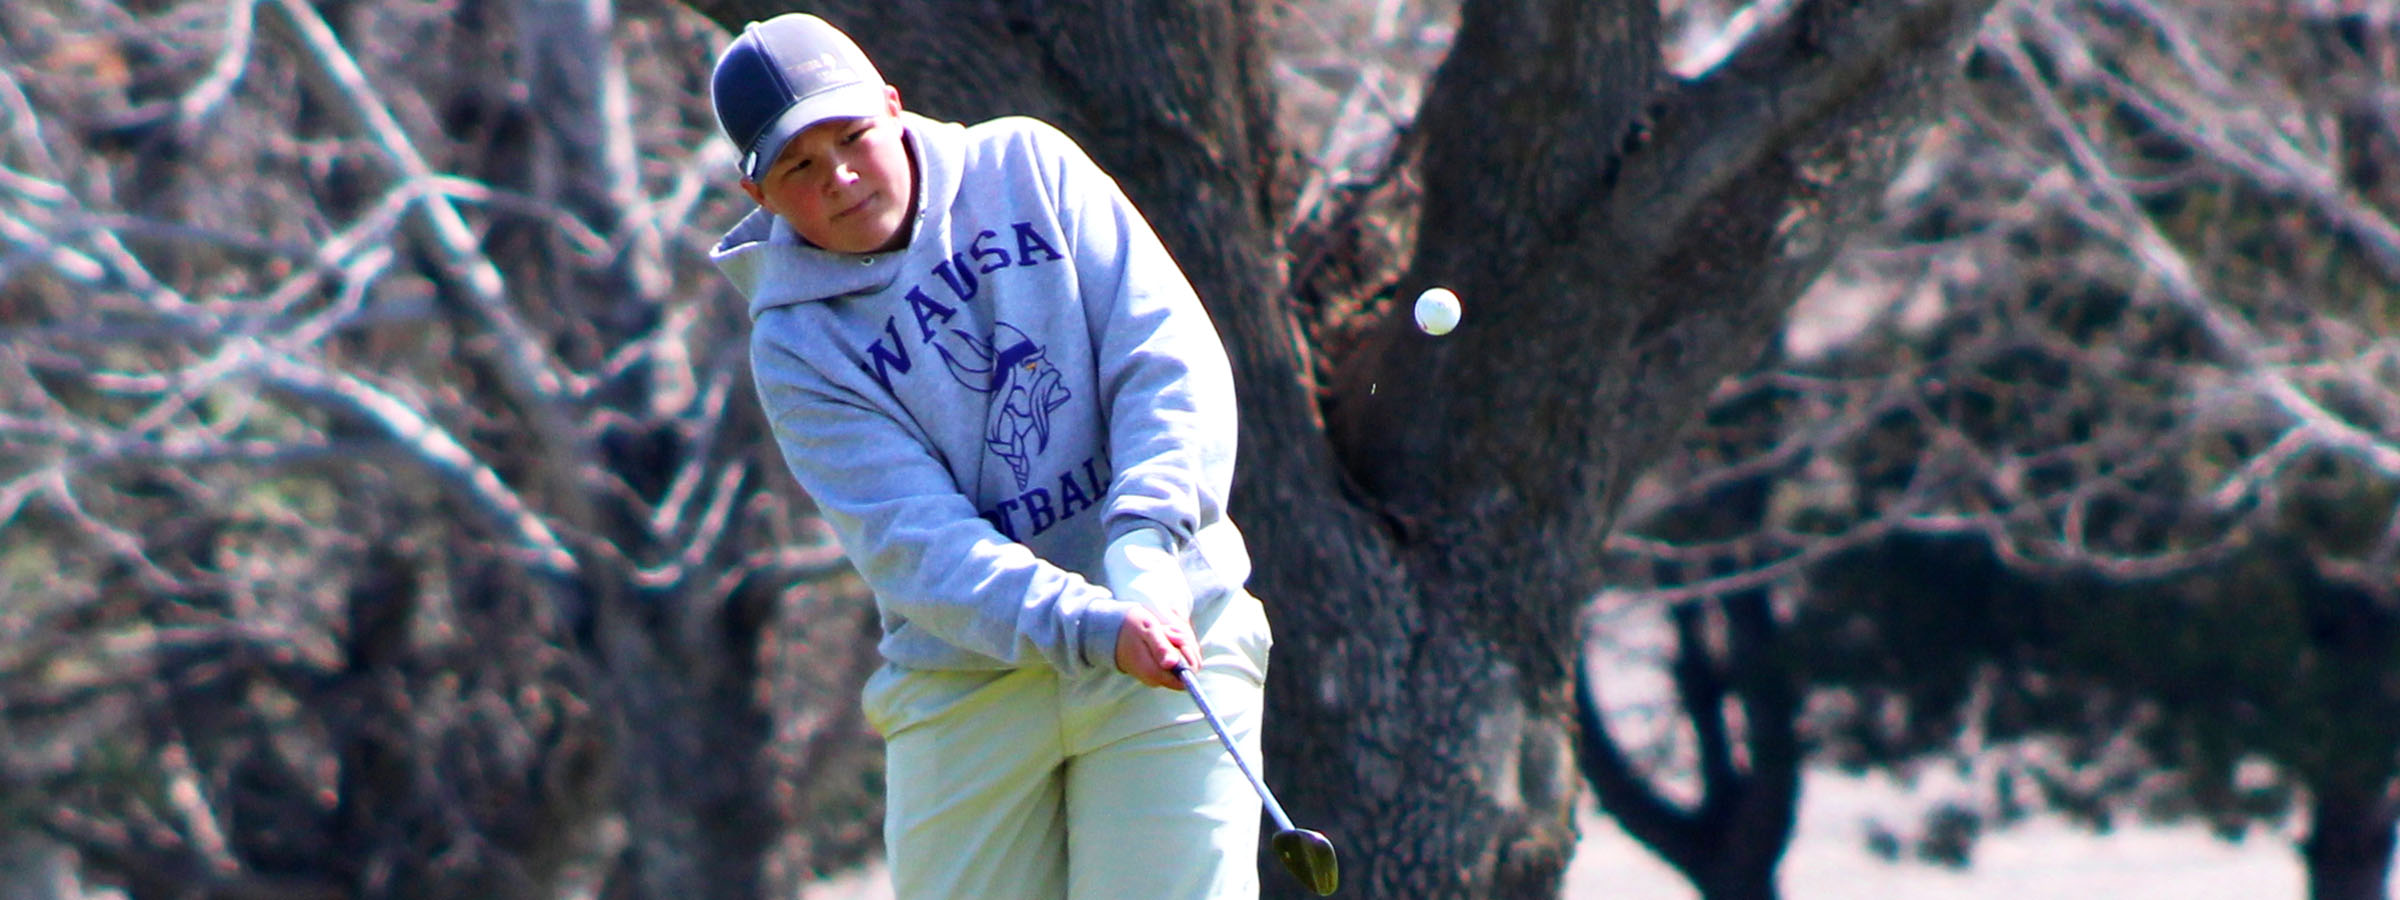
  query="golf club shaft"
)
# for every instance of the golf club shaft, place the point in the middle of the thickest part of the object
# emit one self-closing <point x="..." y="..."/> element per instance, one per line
<point x="1191" y="685"/>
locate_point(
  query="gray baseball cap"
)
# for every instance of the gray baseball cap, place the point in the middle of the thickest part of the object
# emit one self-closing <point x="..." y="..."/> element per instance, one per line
<point x="784" y="74"/>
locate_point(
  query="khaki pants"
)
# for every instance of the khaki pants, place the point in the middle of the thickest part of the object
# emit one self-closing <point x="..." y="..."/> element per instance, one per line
<point x="1020" y="784"/>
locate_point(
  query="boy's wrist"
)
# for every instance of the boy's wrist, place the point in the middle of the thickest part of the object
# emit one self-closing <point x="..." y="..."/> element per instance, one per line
<point x="1097" y="629"/>
<point x="1141" y="568"/>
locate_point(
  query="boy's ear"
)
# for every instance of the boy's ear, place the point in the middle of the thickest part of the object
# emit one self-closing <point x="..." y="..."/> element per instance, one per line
<point x="757" y="195"/>
<point x="891" y="99"/>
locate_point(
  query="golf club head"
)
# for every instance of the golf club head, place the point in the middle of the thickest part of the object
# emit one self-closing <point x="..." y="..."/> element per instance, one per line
<point x="1309" y="857"/>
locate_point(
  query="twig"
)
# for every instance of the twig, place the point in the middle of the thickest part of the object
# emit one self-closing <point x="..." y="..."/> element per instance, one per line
<point x="226" y="72"/>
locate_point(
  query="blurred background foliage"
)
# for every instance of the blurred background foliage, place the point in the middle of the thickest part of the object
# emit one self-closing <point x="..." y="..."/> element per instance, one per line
<point x="382" y="509"/>
<point x="2076" y="482"/>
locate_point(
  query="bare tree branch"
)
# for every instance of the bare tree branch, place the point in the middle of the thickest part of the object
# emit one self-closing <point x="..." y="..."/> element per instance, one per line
<point x="441" y="455"/>
<point x="1797" y="74"/>
<point x="536" y="377"/>
<point x="2243" y="346"/>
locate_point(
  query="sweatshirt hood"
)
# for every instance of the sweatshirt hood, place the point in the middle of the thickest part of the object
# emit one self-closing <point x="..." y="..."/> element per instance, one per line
<point x="771" y="265"/>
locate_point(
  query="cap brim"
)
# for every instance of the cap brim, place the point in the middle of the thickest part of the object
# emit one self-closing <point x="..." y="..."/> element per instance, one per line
<point x="859" y="100"/>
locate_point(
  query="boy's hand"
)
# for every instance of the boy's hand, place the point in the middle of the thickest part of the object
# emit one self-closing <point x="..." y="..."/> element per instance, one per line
<point x="1150" y="644"/>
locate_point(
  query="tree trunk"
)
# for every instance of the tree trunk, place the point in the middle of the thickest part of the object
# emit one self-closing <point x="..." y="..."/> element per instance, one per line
<point x="1728" y="648"/>
<point x="2351" y="837"/>
<point x="2348" y="762"/>
<point x="1730" y="843"/>
<point x="1426" y="536"/>
<point x="680" y="667"/>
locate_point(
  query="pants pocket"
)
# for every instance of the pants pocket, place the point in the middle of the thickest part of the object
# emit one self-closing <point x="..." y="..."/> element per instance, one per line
<point x="1238" y="638"/>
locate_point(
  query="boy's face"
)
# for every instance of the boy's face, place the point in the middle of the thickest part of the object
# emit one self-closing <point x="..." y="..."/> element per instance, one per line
<point x="844" y="184"/>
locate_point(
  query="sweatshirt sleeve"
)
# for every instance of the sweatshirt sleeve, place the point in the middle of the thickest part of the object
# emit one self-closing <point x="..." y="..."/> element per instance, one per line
<point x="1162" y="370"/>
<point x="916" y="538"/>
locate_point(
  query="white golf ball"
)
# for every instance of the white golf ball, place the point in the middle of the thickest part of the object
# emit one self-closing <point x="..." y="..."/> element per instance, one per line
<point x="1437" y="311"/>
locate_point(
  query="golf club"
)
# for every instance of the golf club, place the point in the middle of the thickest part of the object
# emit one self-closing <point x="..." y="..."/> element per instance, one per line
<point x="1306" y="854"/>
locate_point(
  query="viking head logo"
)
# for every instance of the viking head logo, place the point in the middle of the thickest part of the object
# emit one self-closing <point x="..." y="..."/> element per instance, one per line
<point x="1025" y="386"/>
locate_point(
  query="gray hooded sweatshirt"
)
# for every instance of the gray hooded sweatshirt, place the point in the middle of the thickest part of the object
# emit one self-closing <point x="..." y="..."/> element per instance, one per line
<point x="979" y="413"/>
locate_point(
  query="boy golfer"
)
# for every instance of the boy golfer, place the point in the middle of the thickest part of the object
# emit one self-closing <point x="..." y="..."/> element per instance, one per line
<point x="1013" y="411"/>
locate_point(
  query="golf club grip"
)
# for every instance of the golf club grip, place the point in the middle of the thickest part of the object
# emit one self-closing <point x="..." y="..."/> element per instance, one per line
<point x="1191" y="685"/>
